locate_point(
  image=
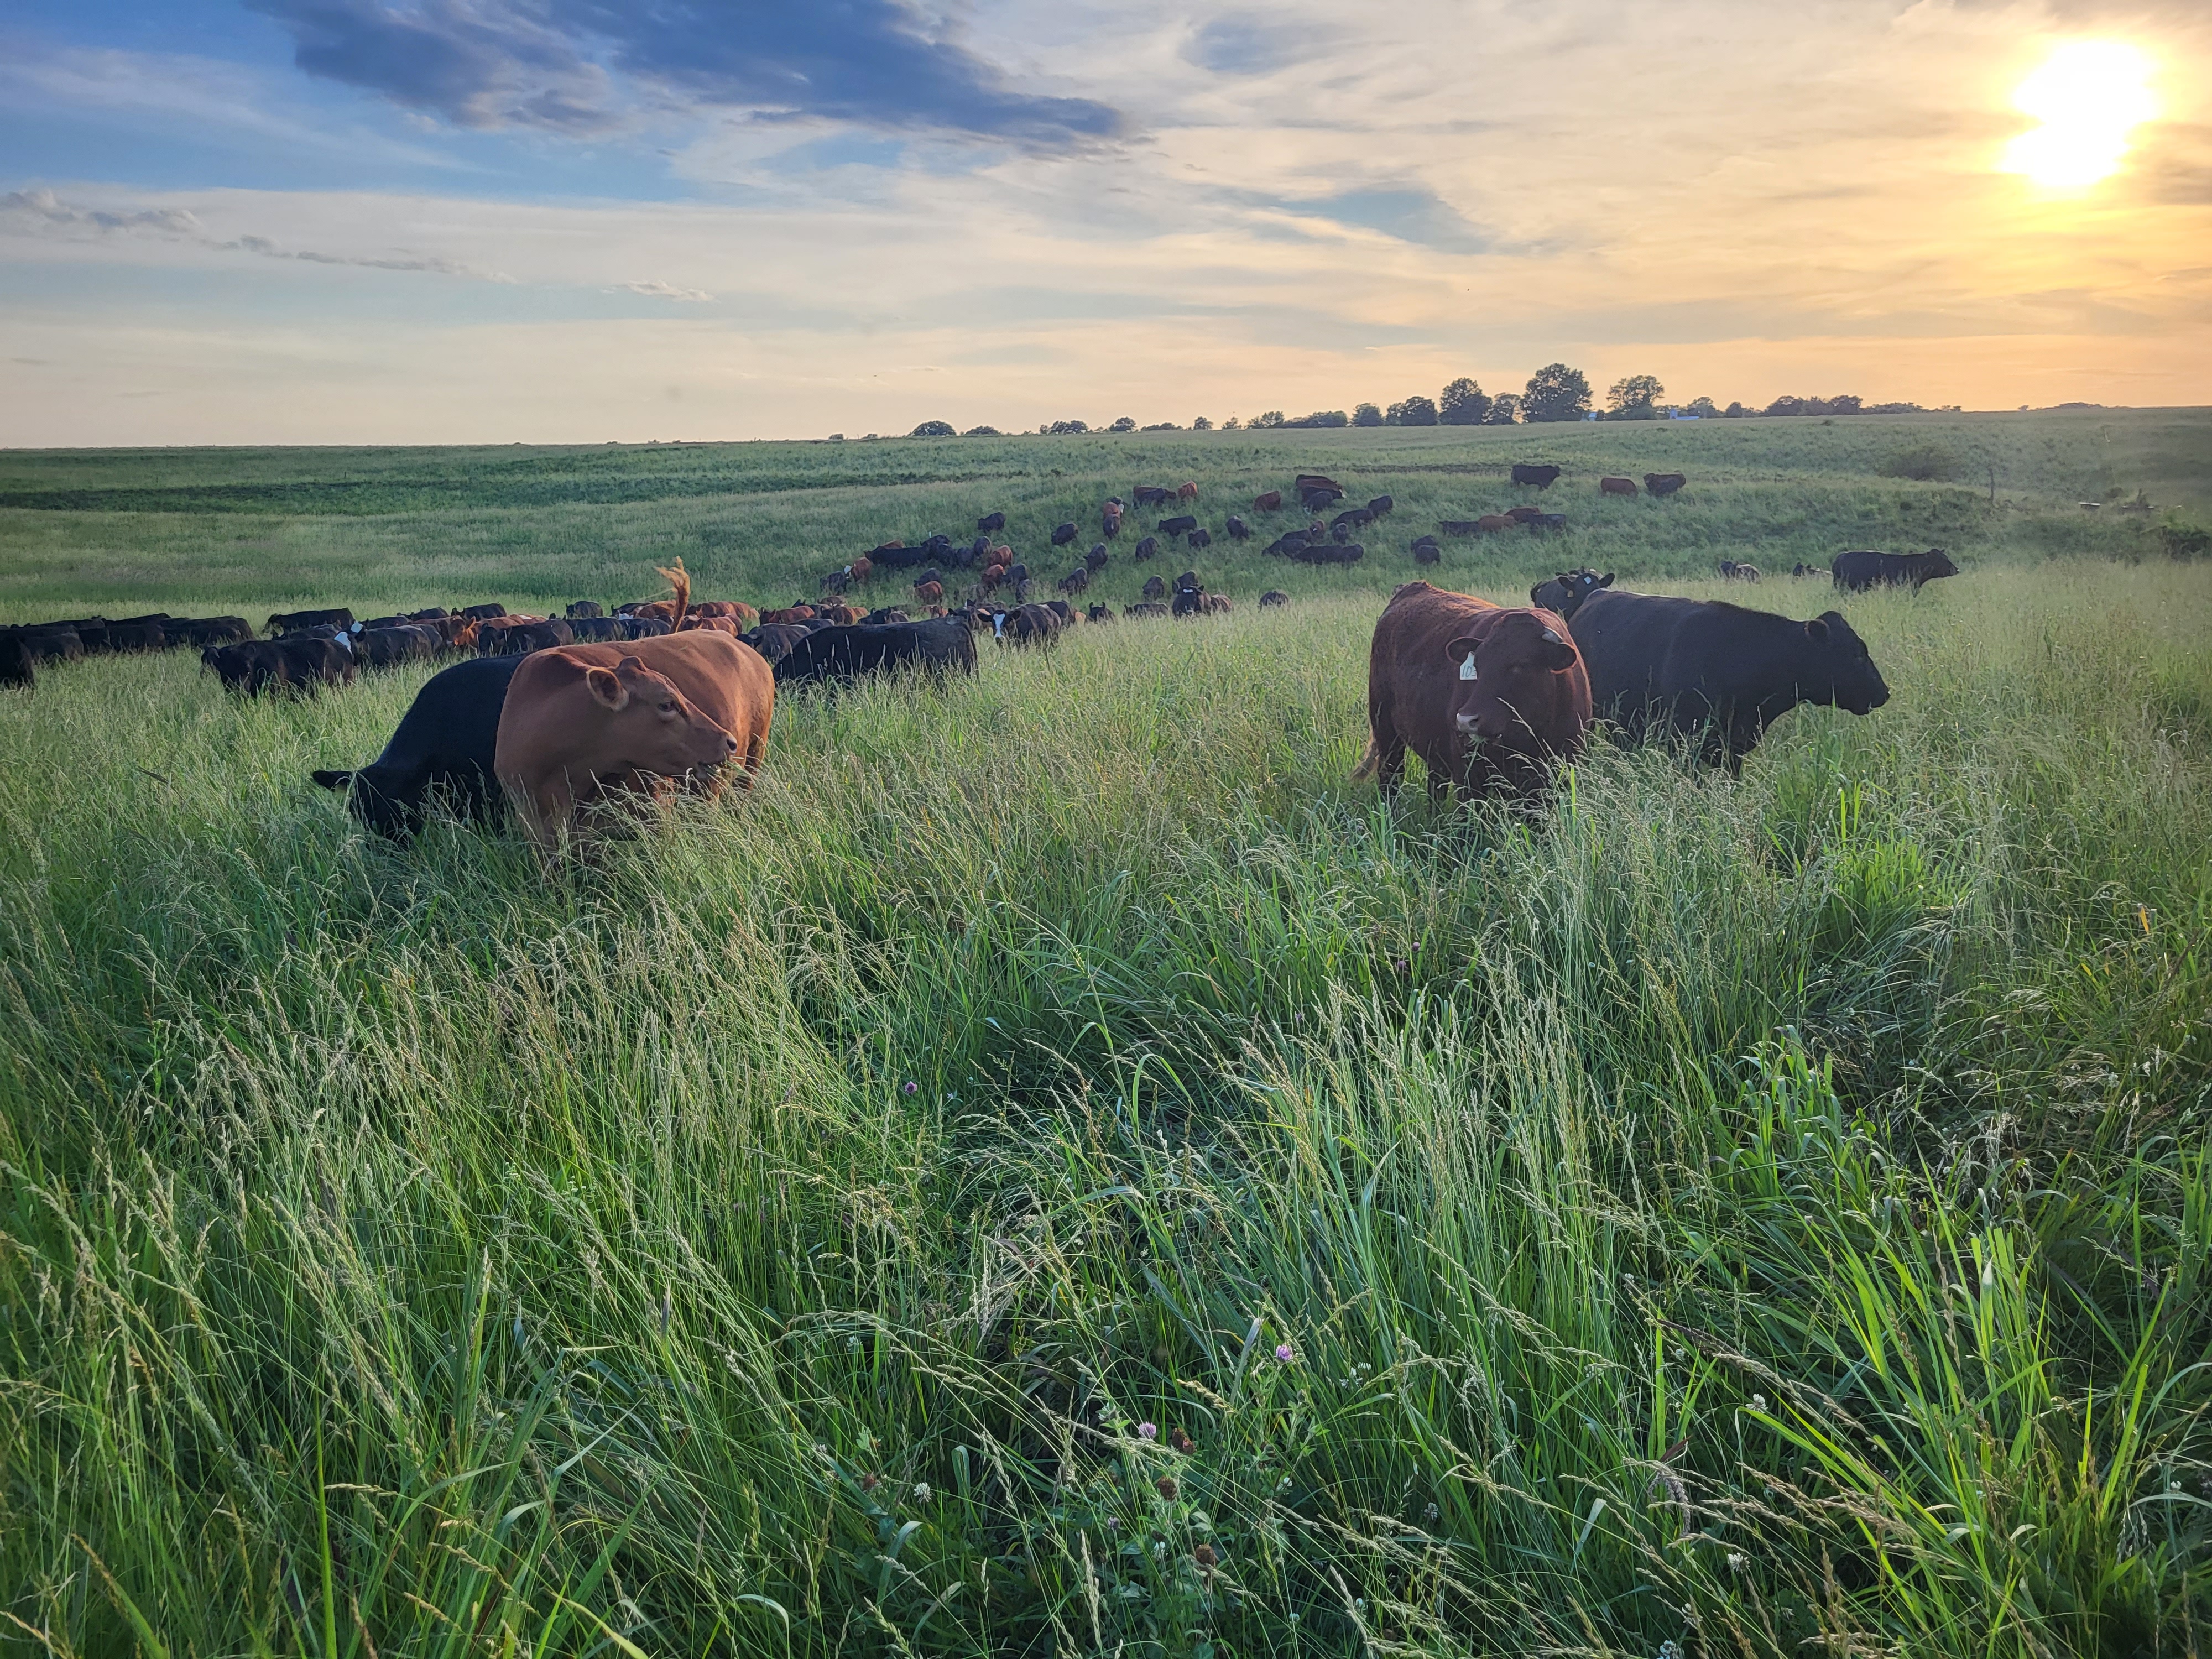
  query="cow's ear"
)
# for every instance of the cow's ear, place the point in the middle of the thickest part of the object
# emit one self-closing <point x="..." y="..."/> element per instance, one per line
<point x="1461" y="651"/>
<point x="1554" y="652"/>
<point x="1817" y="630"/>
<point x="607" y="688"/>
<point x="1605" y="580"/>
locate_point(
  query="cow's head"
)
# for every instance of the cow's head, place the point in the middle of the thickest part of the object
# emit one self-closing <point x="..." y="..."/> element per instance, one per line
<point x="1936" y="562"/>
<point x="647" y="722"/>
<point x="1855" y="684"/>
<point x="1503" y="670"/>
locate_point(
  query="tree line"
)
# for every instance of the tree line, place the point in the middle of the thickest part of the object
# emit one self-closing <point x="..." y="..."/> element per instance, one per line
<point x="1555" y="393"/>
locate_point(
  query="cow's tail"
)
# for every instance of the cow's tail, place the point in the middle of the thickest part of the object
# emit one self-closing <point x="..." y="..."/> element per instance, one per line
<point x="679" y="582"/>
<point x="1369" y="763"/>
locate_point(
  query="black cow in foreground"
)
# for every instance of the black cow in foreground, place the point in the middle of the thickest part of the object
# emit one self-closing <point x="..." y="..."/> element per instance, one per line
<point x="1858" y="571"/>
<point x="941" y="644"/>
<point x="1716" y="672"/>
<point x="1563" y="594"/>
<point x="1274" y="597"/>
<point x="1535" y="477"/>
<point x="443" y="744"/>
<point x="49" y="642"/>
<point x="16" y="667"/>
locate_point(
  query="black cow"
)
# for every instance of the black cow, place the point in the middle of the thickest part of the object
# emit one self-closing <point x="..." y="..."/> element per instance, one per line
<point x="1148" y="609"/>
<point x="1155" y="588"/>
<point x="1272" y="597"/>
<point x="888" y="613"/>
<point x="1535" y="477"/>
<point x="1063" y="534"/>
<point x="1146" y="548"/>
<point x="1074" y="581"/>
<point x="583" y="610"/>
<point x="1663" y="483"/>
<point x="520" y="642"/>
<point x="294" y="664"/>
<point x="1181" y="524"/>
<point x="16" y="667"/>
<point x="387" y="648"/>
<point x="1356" y="517"/>
<point x="1380" y="507"/>
<point x="776" y="640"/>
<point x="50" y="642"/>
<point x="1427" y="552"/>
<point x="1237" y="529"/>
<point x="644" y="627"/>
<point x="1201" y="538"/>
<point x="1063" y="610"/>
<point x="207" y="630"/>
<point x="484" y="612"/>
<point x="989" y="523"/>
<point x="1547" y="521"/>
<point x="137" y="636"/>
<point x="1713" y="671"/>
<point x="1151" y="494"/>
<point x="1858" y="570"/>
<point x="91" y="632"/>
<point x="443" y="746"/>
<point x="294" y="620"/>
<point x="600" y="630"/>
<point x="1028" y="625"/>
<point x="1563" y="594"/>
<point x="1095" y="559"/>
<point x="941" y="644"/>
<point x="1099" y="613"/>
<point x="434" y="613"/>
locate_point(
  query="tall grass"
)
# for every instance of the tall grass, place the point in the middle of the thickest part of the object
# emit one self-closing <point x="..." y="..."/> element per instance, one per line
<point x="1057" y="1126"/>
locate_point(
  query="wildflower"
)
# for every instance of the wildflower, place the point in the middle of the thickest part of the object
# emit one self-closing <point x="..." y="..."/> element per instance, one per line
<point x="1402" y="965"/>
<point x="1148" y="1430"/>
<point x="1670" y="1651"/>
<point x="909" y="1087"/>
<point x="1204" y="1556"/>
<point x="851" y="1345"/>
<point x="1735" y="1561"/>
<point x="1182" y="1442"/>
<point x="922" y="1493"/>
<point x="870" y="1482"/>
<point x="1359" y="1604"/>
<point x="1432" y="1512"/>
<point x="1284" y="1484"/>
<point x="1284" y="1352"/>
<point x="1166" y="1483"/>
<point x="1759" y="1402"/>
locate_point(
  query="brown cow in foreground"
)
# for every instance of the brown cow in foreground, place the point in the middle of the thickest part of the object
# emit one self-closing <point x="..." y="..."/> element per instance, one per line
<point x="1487" y="697"/>
<point x="583" y="720"/>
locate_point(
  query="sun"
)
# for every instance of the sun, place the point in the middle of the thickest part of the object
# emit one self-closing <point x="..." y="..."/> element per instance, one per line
<point x="2088" y="95"/>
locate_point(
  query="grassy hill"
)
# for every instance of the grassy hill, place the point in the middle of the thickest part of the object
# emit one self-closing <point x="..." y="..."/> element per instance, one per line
<point x="1060" y="1168"/>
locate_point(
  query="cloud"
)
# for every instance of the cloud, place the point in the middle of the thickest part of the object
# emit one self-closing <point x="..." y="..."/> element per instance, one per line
<point x="40" y="211"/>
<point x="561" y="65"/>
<point x="1253" y="46"/>
<point x="1411" y="214"/>
<point x="659" y="291"/>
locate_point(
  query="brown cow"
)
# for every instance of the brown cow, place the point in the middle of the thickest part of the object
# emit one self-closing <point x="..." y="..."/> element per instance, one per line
<point x="581" y="719"/>
<point x="1523" y="514"/>
<point x="1616" y="486"/>
<point x="1487" y="697"/>
<point x="1268" y="502"/>
<point x="711" y="625"/>
<point x="928" y="593"/>
<point x="1188" y="492"/>
<point x="863" y="567"/>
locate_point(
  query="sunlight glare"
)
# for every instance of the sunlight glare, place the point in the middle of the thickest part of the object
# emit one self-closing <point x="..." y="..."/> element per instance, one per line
<point x="2088" y="95"/>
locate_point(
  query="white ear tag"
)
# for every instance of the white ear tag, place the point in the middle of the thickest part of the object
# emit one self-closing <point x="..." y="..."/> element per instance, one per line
<point x="1467" y="668"/>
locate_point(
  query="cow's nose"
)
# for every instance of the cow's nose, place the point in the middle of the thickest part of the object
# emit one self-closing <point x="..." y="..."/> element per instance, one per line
<point x="1468" y="723"/>
<point x="729" y="744"/>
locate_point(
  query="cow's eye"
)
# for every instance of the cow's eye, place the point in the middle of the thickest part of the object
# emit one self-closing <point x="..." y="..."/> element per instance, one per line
<point x="668" y="709"/>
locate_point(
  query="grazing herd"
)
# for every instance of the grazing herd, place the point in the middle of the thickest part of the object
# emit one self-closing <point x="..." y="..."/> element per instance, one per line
<point x="555" y="716"/>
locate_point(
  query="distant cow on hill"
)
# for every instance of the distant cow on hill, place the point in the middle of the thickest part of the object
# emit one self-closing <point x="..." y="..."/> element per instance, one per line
<point x="1267" y="501"/>
<point x="1663" y="483"/>
<point x="1535" y="477"/>
<point x="1616" y="486"/>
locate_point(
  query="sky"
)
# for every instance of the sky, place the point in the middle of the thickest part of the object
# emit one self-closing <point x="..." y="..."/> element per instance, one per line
<point x="491" y="220"/>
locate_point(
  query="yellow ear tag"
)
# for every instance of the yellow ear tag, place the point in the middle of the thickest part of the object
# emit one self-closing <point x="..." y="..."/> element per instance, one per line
<point x="1467" y="668"/>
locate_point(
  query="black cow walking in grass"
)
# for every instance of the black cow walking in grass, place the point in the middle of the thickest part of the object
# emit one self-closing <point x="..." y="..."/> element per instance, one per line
<point x="1858" y="570"/>
<point x="443" y="746"/>
<point x="1715" y="672"/>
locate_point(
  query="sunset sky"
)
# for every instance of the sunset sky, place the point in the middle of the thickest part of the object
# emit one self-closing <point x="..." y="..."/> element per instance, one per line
<point x="337" y="221"/>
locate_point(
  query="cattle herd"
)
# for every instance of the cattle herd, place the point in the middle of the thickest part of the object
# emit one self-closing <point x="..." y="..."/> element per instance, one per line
<point x="549" y="714"/>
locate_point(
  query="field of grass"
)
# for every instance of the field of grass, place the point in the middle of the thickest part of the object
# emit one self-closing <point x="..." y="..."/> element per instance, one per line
<point x="1061" y="1169"/>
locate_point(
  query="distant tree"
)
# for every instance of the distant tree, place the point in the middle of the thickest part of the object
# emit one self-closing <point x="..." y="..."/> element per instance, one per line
<point x="1366" y="415"/>
<point x="982" y="431"/>
<point x="934" y="429"/>
<point x="1556" y="392"/>
<point x="1634" y="398"/>
<point x="1127" y="423"/>
<point x="1266" y="420"/>
<point x="1703" y="408"/>
<point x="1845" y="405"/>
<point x="1416" y="411"/>
<point x="1734" y="411"/>
<point x="1231" y="424"/>
<point x="835" y="438"/>
<point x="1786" y="405"/>
<point x="1504" y="410"/>
<point x="1163" y="426"/>
<point x="1201" y="424"/>
<point x="1322" y="417"/>
<point x="1062" y="428"/>
<point x="1462" y="403"/>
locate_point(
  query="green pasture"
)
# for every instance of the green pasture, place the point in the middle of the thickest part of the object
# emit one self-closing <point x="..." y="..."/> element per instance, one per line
<point x="1058" y="1169"/>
